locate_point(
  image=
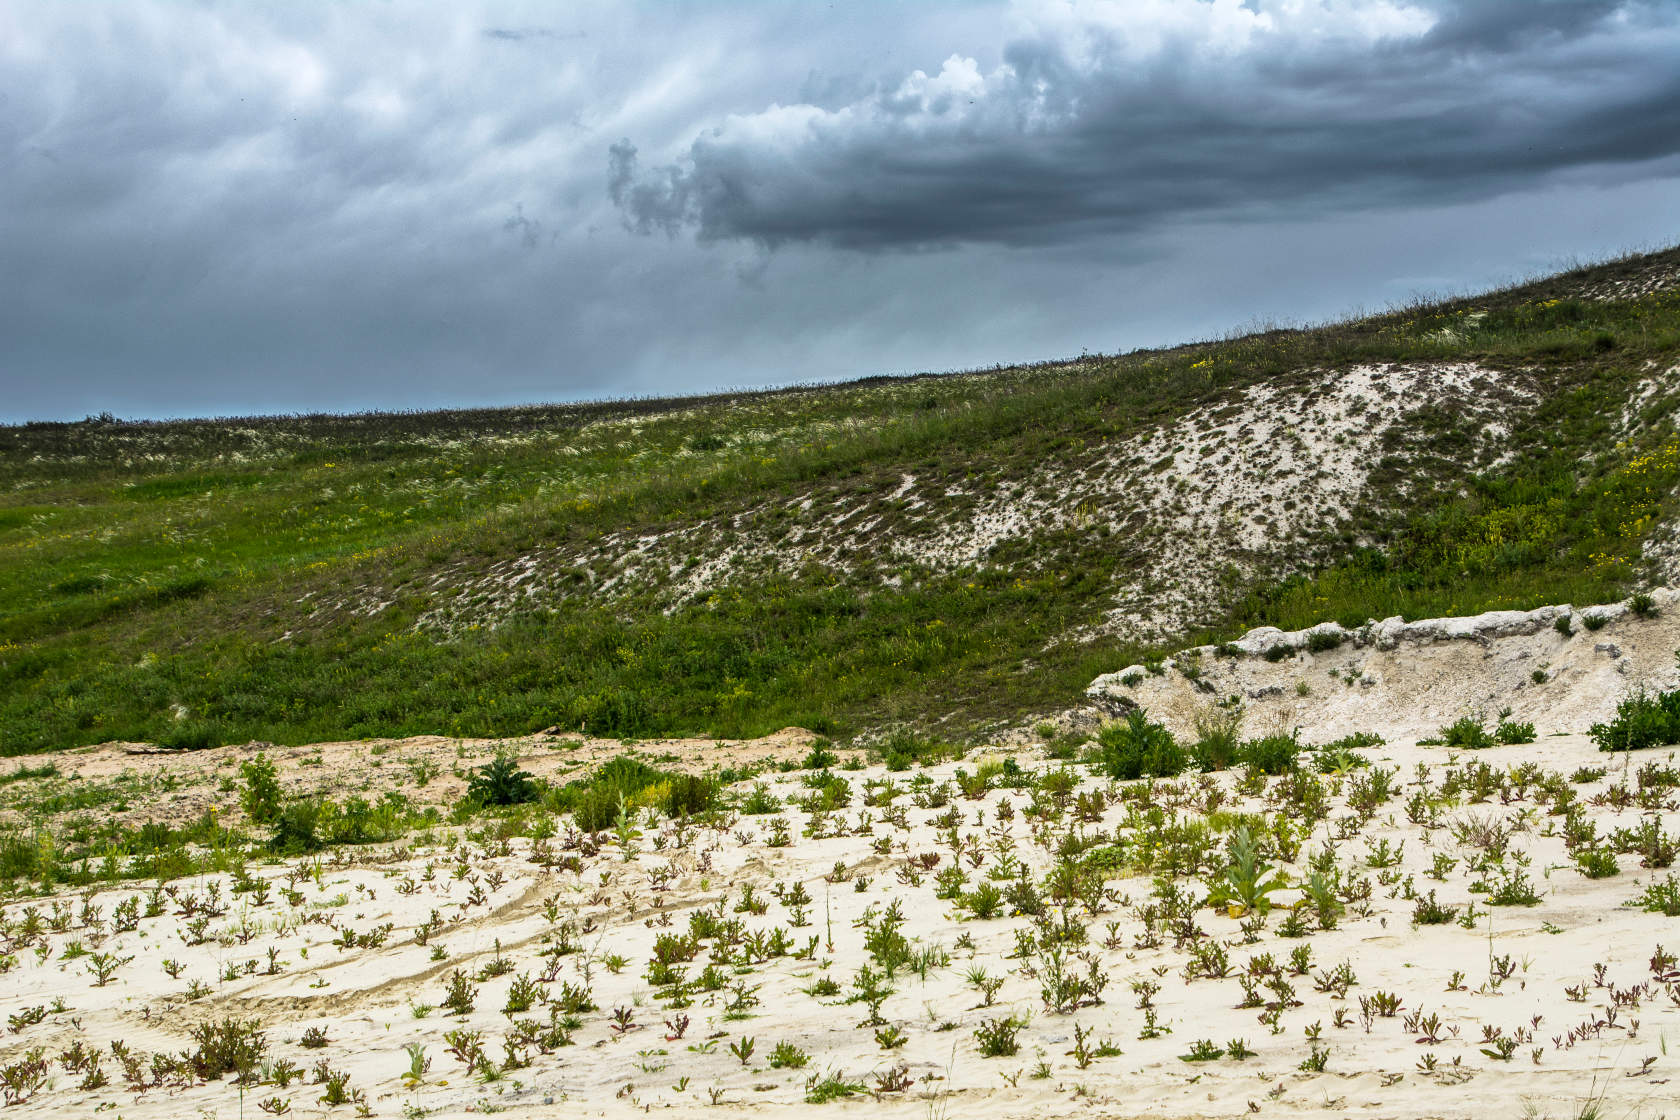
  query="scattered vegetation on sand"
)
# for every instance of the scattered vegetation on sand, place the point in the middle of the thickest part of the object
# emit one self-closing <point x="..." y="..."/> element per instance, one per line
<point x="735" y="564"/>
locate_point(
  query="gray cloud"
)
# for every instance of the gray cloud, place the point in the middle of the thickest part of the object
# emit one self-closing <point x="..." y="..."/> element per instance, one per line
<point x="215" y="208"/>
<point x="1093" y="126"/>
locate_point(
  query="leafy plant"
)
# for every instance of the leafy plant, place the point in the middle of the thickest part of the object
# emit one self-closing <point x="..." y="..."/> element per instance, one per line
<point x="998" y="1038"/>
<point x="1511" y="733"/>
<point x="261" y="796"/>
<point x="1643" y="719"/>
<point x="501" y="782"/>
<point x="1467" y="732"/>
<point x="1136" y="748"/>
<point x="787" y="1056"/>
<point x="1248" y="881"/>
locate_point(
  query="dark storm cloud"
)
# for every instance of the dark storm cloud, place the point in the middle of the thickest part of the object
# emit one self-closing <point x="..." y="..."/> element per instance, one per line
<point x="1118" y="120"/>
<point x="221" y="208"/>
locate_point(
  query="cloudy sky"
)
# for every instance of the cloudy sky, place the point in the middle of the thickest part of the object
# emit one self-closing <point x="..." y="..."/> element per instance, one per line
<point x="229" y="208"/>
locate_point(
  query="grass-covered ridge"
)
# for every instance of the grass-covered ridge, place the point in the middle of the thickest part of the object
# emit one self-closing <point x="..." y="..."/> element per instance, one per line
<point x="738" y="563"/>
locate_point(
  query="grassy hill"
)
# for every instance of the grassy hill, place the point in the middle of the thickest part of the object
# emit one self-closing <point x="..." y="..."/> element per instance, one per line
<point x="951" y="551"/>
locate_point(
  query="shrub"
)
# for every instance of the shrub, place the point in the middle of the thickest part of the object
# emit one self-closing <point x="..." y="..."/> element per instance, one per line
<point x="1137" y="748"/>
<point x="1466" y="732"/>
<point x="1643" y="605"/>
<point x="1594" y="621"/>
<point x="788" y="1056"/>
<point x="296" y="829"/>
<point x="1562" y="626"/>
<point x="1642" y="720"/>
<point x="905" y="748"/>
<point x="1277" y="652"/>
<point x="1217" y="741"/>
<point x="1272" y="754"/>
<point x="1661" y="898"/>
<point x="996" y="1038"/>
<point x="229" y="1046"/>
<point x="1511" y="733"/>
<point x="193" y="735"/>
<point x="501" y="782"/>
<point x="261" y="796"/>
<point x="1428" y="912"/>
<point x="1321" y="640"/>
<point x="1597" y="863"/>
<point x="594" y="802"/>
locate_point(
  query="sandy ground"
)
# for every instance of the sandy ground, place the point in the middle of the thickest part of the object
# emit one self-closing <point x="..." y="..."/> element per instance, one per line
<point x="151" y="783"/>
<point x="1578" y="989"/>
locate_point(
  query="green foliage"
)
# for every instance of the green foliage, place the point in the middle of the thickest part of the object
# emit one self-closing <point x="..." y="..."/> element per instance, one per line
<point x="1511" y="733"/>
<point x="787" y="1056"/>
<point x="1272" y="754"/>
<point x="1428" y="912"/>
<point x="1466" y="732"/>
<point x="251" y="625"/>
<point x="595" y="802"/>
<point x="260" y="798"/>
<point x="1643" y="719"/>
<point x="1661" y="898"/>
<point x="309" y="824"/>
<point x="226" y="1046"/>
<point x="998" y="1038"/>
<point x="1597" y="863"/>
<point x="1136" y="748"/>
<point x="831" y="1086"/>
<point x="501" y="782"/>
<point x="1218" y="741"/>
<point x="1248" y="881"/>
<point x="904" y="748"/>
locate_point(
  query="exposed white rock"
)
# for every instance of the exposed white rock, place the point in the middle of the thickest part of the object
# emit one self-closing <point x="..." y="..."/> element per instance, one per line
<point x="1418" y="675"/>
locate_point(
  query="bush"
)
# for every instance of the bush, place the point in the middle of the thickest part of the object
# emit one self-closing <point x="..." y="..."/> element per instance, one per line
<point x="310" y="824"/>
<point x="1562" y="626"/>
<point x="1466" y="732"/>
<point x="1661" y="898"/>
<point x="1643" y="606"/>
<point x="501" y="782"/>
<point x="1272" y="754"/>
<point x="1643" y="719"/>
<point x="996" y="1038"/>
<point x="194" y="735"/>
<point x="1511" y="733"/>
<point x="296" y="829"/>
<point x="1217" y="742"/>
<point x="1597" y="863"/>
<point x="1137" y="748"/>
<point x="1321" y="640"/>
<point x="261" y="796"/>
<point x="595" y="802"/>
<point x="905" y="748"/>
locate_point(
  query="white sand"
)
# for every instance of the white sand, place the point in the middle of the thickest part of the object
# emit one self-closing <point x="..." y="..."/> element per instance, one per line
<point x="364" y="997"/>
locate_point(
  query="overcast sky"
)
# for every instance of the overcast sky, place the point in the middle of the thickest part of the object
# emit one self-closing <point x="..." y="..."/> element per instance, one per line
<point x="229" y="208"/>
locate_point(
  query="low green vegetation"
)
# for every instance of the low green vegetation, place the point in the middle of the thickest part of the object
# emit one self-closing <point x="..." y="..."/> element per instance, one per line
<point x="280" y="579"/>
<point x="1643" y="719"/>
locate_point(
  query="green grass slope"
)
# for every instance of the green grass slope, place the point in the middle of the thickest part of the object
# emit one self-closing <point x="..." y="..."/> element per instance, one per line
<point x="953" y="550"/>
